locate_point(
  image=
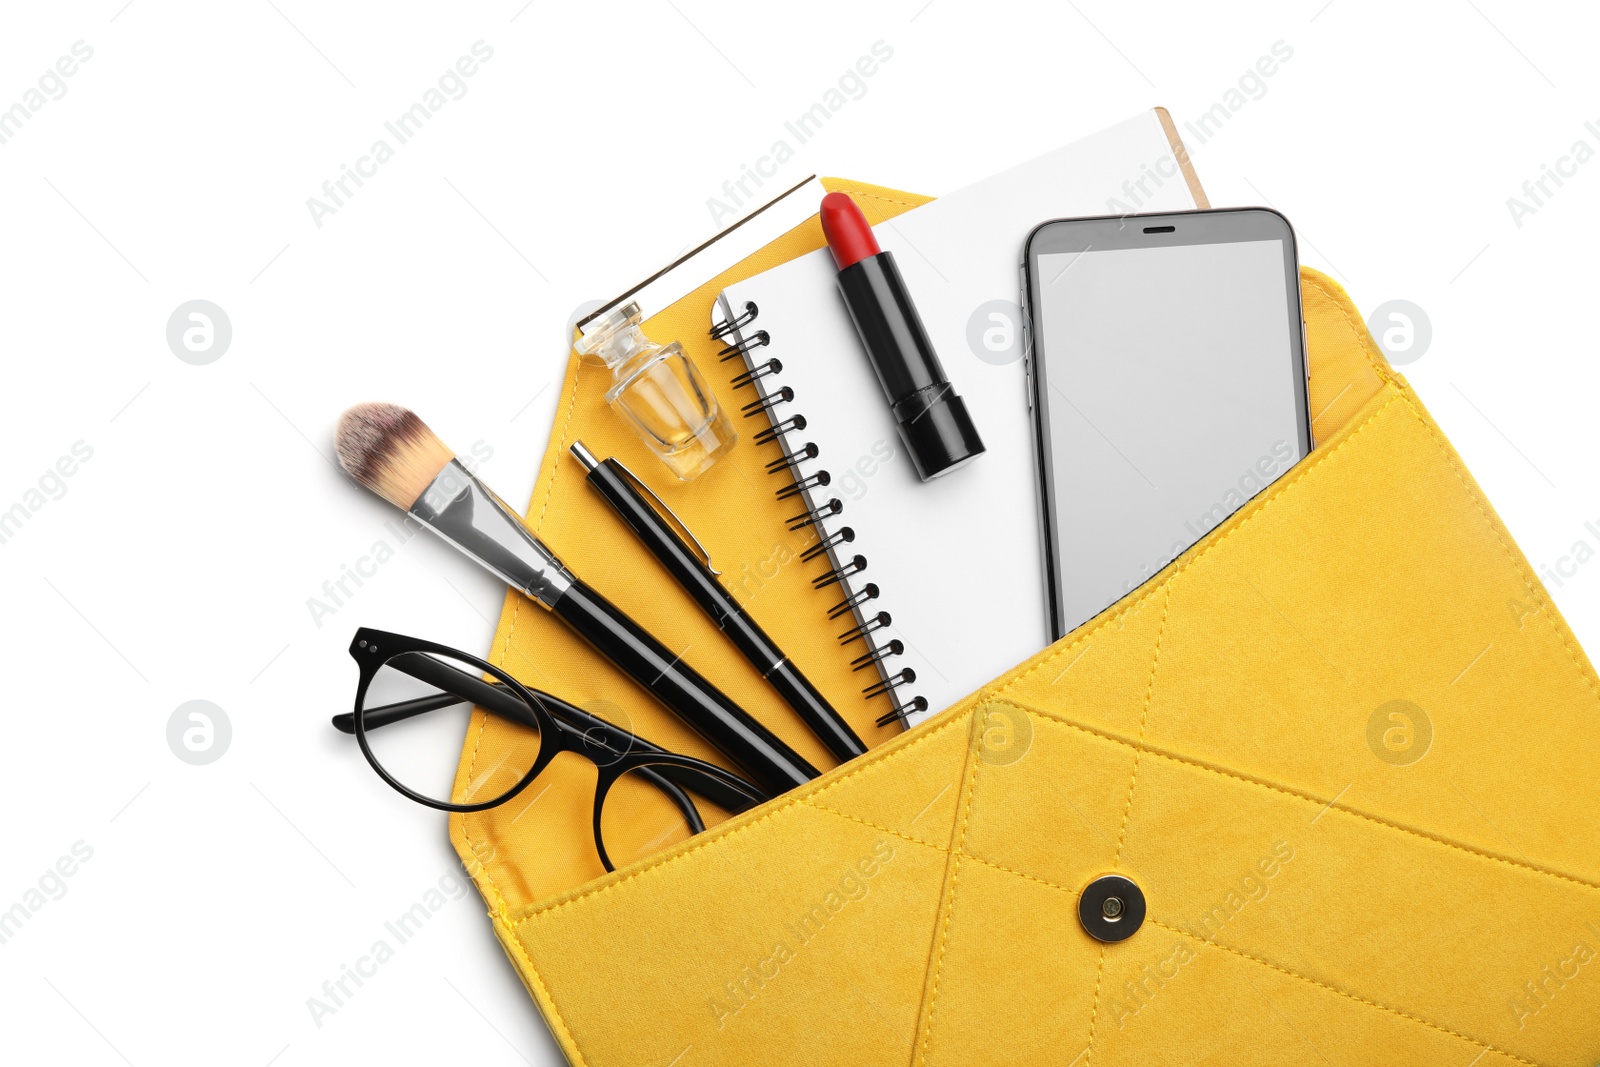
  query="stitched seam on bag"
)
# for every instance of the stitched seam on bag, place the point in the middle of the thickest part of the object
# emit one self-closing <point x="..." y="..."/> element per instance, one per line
<point x="1094" y="1012"/>
<point x="1002" y="868"/>
<point x="505" y="649"/>
<point x="1127" y="807"/>
<point x="957" y="845"/>
<point x="1529" y="579"/>
<point x="505" y="652"/>
<point x="801" y="802"/>
<point x="466" y="834"/>
<point x="962" y="853"/>
<point x="1485" y="1045"/>
<point x="876" y="826"/>
<point x="885" y="199"/>
<point x="1363" y="336"/>
<point x="901" y="834"/>
<point x="1305" y="467"/>
<point x="955" y="720"/>
<point x="1310" y="798"/>
<point x="790" y="800"/>
<point x="1144" y="720"/>
<point x="1385" y="375"/>
<point x="560" y="1023"/>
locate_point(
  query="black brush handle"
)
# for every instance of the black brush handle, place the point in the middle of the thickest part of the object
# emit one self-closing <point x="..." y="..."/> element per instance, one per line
<point x="729" y="728"/>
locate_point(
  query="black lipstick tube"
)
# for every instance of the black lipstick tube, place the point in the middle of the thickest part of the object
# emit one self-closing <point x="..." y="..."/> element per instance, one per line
<point x="931" y="417"/>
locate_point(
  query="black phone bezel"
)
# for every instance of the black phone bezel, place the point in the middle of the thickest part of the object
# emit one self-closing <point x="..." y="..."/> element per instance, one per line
<point x="1159" y="230"/>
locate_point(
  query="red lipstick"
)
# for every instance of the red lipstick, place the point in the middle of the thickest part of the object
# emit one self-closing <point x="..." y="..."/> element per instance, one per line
<point x="932" y="419"/>
<point x="849" y="237"/>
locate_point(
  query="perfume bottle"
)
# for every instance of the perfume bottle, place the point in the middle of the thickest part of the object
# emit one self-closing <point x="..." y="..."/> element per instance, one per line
<point x="658" y="391"/>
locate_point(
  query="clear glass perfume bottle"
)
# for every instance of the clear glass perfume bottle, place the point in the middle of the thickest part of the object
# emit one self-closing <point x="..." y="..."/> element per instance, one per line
<point x="659" y="392"/>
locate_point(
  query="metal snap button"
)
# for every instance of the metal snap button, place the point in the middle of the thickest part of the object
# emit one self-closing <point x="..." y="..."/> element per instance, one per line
<point x="1111" y="908"/>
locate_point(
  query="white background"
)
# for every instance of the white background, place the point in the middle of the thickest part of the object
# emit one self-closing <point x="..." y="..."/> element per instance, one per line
<point x="179" y="561"/>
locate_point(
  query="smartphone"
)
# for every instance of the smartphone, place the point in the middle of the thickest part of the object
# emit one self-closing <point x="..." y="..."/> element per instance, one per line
<point x="1167" y="383"/>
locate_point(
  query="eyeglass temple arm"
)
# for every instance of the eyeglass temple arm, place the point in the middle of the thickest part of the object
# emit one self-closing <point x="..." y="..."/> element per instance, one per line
<point x="493" y="696"/>
<point x="453" y="685"/>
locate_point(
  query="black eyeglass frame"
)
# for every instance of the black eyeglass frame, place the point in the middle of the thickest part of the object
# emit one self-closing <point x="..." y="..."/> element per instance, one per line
<point x="562" y="727"/>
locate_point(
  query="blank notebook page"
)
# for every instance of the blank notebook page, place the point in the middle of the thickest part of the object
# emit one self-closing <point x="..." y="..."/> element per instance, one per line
<point x="957" y="561"/>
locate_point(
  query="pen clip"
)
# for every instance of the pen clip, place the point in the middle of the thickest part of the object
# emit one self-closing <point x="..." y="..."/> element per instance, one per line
<point x="638" y="483"/>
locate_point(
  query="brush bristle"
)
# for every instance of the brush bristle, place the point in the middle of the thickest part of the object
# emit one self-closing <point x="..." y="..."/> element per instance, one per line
<point x="389" y="450"/>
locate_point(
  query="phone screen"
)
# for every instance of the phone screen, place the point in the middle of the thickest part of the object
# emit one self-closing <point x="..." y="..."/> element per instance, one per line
<point x="1169" y="389"/>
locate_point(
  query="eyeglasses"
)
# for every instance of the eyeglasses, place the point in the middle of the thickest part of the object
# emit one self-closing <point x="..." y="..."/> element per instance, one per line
<point x="414" y="707"/>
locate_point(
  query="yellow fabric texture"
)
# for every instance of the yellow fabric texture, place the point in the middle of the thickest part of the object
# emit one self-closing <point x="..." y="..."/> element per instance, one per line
<point x="1344" y="745"/>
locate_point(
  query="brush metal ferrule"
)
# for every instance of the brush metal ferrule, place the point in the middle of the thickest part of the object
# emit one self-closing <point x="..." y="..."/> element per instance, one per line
<point x="465" y="512"/>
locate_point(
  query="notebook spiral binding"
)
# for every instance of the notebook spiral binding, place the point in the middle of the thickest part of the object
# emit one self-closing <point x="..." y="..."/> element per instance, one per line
<point x="805" y="483"/>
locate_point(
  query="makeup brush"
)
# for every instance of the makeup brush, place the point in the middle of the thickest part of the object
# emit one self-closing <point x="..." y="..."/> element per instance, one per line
<point x="392" y="452"/>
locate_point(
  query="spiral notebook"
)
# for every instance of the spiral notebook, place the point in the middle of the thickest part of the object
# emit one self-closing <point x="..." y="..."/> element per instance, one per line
<point x="916" y="562"/>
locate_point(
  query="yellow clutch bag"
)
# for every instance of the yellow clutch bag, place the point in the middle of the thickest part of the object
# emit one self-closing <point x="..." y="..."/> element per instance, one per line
<point x="1343" y="749"/>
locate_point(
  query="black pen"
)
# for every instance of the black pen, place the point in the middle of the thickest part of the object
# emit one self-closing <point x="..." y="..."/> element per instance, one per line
<point x="621" y="489"/>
